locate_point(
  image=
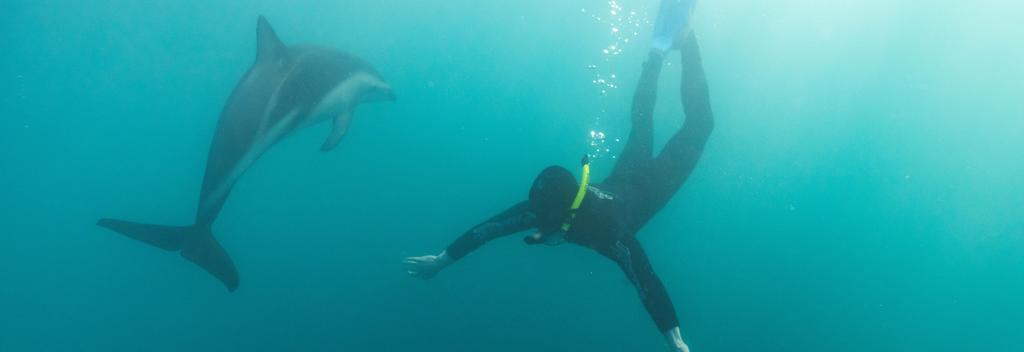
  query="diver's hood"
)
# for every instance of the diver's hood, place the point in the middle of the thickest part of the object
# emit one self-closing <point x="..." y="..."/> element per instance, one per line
<point x="551" y="197"/>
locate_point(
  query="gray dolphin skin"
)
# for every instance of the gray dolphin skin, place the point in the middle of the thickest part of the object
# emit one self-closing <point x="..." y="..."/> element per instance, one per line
<point x="286" y="89"/>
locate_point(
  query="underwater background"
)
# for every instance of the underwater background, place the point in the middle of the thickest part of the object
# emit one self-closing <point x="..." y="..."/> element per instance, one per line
<point x="862" y="191"/>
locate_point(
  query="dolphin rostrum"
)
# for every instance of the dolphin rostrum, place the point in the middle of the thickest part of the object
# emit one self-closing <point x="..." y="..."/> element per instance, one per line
<point x="287" y="88"/>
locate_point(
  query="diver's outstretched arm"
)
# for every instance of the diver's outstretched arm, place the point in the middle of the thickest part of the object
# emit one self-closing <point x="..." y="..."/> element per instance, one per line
<point x="630" y="257"/>
<point x="515" y="219"/>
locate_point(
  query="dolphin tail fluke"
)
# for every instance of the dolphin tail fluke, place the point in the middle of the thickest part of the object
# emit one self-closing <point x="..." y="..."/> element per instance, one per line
<point x="196" y="244"/>
<point x="169" y="238"/>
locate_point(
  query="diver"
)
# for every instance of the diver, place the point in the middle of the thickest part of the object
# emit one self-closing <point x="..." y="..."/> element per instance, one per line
<point x="606" y="217"/>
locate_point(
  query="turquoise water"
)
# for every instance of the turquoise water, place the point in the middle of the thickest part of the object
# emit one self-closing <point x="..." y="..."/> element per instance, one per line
<point x="862" y="189"/>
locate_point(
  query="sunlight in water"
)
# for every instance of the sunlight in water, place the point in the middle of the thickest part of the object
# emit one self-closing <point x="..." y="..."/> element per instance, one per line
<point x="623" y="27"/>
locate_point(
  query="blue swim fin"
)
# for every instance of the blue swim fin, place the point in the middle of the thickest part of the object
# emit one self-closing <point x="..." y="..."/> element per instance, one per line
<point x="673" y="18"/>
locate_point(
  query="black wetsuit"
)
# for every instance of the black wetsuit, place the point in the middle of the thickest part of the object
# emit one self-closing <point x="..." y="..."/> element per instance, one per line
<point x="640" y="185"/>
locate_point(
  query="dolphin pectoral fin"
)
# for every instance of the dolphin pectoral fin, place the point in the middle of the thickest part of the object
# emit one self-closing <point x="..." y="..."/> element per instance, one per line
<point x="338" y="131"/>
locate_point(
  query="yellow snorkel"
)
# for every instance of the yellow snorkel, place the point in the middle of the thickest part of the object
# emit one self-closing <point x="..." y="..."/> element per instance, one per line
<point x="582" y="193"/>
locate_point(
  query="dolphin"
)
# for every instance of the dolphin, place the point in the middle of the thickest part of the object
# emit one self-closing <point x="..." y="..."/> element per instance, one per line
<point x="286" y="89"/>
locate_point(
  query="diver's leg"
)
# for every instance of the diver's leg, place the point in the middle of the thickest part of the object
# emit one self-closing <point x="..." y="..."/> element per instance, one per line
<point x="640" y="145"/>
<point x="682" y="152"/>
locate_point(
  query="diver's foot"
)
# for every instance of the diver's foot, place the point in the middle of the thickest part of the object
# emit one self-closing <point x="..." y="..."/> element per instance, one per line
<point x="673" y="20"/>
<point x="681" y="38"/>
<point x="655" y="61"/>
<point x="655" y="57"/>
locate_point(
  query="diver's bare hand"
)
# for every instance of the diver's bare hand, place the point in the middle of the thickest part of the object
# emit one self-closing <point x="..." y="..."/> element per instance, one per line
<point x="427" y="266"/>
<point x="675" y="340"/>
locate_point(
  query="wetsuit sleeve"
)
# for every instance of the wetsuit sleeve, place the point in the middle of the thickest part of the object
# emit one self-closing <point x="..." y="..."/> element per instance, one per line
<point x="516" y="219"/>
<point x="633" y="262"/>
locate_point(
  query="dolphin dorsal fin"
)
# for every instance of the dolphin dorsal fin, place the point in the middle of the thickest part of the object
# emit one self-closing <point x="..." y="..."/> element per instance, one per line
<point x="268" y="45"/>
